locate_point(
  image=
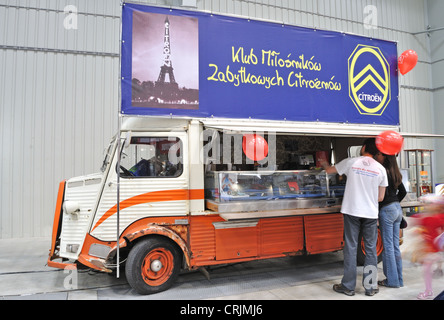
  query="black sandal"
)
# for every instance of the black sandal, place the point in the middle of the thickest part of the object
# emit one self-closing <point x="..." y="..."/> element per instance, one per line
<point x="383" y="283"/>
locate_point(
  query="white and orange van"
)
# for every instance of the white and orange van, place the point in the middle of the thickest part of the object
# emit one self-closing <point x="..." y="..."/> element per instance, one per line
<point x="161" y="202"/>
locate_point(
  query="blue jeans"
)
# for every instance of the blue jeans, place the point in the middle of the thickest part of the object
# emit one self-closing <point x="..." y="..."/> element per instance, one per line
<point x="390" y="217"/>
<point x="353" y="226"/>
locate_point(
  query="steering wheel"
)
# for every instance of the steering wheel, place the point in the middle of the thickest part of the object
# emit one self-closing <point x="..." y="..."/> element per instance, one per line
<point x="127" y="172"/>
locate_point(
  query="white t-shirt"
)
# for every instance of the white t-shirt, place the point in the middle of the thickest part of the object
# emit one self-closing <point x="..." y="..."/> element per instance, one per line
<point x="364" y="177"/>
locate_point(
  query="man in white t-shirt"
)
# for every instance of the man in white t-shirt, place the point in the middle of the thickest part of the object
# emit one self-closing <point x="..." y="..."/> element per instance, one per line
<point x="365" y="187"/>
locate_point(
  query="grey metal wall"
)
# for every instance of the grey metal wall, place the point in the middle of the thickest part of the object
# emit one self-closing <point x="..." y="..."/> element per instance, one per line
<point x="58" y="100"/>
<point x="435" y="12"/>
<point x="59" y="86"/>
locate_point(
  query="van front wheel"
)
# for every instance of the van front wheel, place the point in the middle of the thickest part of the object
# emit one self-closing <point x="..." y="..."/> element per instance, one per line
<point x="153" y="265"/>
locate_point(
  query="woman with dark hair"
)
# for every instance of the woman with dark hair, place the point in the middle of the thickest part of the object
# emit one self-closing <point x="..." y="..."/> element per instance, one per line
<point x="390" y="217"/>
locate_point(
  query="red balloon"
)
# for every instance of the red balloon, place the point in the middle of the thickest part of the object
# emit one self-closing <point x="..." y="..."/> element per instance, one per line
<point x="389" y="142"/>
<point x="407" y="61"/>
<point x="255" y="146"/>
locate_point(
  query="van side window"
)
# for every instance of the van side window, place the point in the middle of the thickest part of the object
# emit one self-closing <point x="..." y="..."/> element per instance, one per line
<point x="152" y="157"/>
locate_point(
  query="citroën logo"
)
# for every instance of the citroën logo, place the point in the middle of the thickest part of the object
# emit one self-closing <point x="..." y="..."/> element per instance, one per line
<point x="369" y="80"/>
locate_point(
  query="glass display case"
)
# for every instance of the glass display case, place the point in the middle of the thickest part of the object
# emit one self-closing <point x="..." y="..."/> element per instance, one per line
<point x="420" y="171"/>
<point x="285" y="189"/>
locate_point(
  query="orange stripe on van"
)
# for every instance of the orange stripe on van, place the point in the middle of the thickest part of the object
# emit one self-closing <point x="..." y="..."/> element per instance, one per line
<point x="154" y="196"/>
<point x="196" y="194"/>
<point x="57" y="217"/>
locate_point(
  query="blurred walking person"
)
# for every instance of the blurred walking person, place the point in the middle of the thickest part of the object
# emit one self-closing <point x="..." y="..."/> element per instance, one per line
<point x="430" y="225"/>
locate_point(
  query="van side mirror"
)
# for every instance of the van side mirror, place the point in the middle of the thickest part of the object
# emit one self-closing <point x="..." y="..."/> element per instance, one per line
<point x="127" y="141"/>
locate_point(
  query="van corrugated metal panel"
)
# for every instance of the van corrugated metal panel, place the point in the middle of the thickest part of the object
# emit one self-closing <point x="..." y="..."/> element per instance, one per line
<point x="323" y="233"/>
<point x="202" y="238"/>
<point x="236" y="243"/>
<point x="280" y="235"/>
<point x="140" y="201"/>
<point x="74" y="229"/>
<point x="274" y="236"/>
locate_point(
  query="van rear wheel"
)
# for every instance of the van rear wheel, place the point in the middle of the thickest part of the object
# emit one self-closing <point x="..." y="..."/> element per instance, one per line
<point x="153" y="265"/>
<point x="361" y="249"/>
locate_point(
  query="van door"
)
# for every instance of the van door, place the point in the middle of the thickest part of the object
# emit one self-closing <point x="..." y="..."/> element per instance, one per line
<point x="154" y="182"/>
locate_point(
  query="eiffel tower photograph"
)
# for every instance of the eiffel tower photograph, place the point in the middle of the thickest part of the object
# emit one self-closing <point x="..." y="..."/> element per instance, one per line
<point x="165" y="61"/>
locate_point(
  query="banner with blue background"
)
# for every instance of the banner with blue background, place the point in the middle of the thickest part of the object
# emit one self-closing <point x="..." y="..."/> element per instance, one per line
<point x="194" y="64"/>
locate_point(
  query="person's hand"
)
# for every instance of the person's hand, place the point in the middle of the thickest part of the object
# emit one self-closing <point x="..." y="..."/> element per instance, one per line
<point x="327" y="167"/>
<point x="324" y="164"/>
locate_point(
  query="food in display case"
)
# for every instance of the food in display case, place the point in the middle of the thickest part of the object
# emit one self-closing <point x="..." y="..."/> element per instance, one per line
<point x="228" y="186"/>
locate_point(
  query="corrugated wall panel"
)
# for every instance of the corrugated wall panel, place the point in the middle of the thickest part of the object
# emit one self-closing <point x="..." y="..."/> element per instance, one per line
<point x="435" y="10"/>
<point x="52" y="129"/>
<point x="59" y="90"/>
<point x="58" y="106"/>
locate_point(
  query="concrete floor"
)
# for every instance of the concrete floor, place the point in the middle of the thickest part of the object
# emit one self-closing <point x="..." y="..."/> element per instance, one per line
<point x="24" y="276"/>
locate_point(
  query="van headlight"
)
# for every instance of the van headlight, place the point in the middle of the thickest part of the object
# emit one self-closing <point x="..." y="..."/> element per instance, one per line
<point x="72" y="208"/>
